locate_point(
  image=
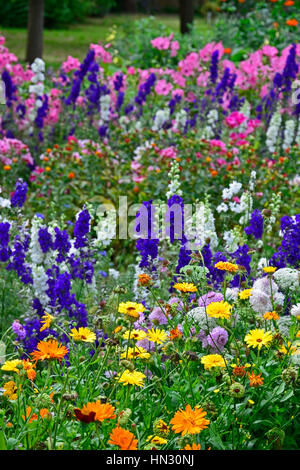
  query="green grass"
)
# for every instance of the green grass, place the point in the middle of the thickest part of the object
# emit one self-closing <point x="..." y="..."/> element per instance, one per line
<point x="74" y="41"/>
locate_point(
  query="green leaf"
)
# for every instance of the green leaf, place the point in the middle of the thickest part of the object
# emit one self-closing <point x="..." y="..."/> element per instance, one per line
<point x="215" y="438"/>
<point x="2" y="441"/>
<point x="287" y="396"/>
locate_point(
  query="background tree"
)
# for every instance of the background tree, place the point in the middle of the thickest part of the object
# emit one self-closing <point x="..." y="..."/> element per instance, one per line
<point x="186" y="12"/>
<point x="35" y="30"/>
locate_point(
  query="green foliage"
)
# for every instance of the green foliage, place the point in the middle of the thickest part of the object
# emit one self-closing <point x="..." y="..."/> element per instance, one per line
<point x="57" y="14"/>
<point x="251" y="24"/>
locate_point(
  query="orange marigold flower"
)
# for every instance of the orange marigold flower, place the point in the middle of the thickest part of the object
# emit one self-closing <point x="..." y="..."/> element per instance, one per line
<point x="144" y="279"/>
<point x="175" y="333"/>
<point x="49" y="350"/>
<point x="34" y="416"/>
<point x="7" y="167"/>
<point x="95" y="412"/>
<point x="189" y="421"/>
<point x="226" y="266"/>
<point x="71" y="175"/>
<point x="227" y="50"/>
<point x="289" y="3"/>
<point x="292" y="22"/>
<point x="239" y="371"/>
<point x="255" y="380"/>
<point x="122" y="438"/>
<point x="271" y="316"/>
<point x="192" y="447"/>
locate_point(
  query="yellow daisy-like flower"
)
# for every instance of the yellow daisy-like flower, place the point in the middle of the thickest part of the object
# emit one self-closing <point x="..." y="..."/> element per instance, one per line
<point x="213" y="360"/>
<point x="298" y="334"/>
<point x="219" y="310"/>
<point x="226" y="266"/>
<point x="131" y="378"/>
<point x="290" y="349"/>
<point x="185" y="287"/>
<point x="245" y="294"/>
<point x="269" y="269"/>
<point x="136" y="352"/>
<point x="132" y="309"/>
<point x="136" y="335"/>
<point x="47" y="319"/>
<point x="161" y="427"/>
<point x="157" y="440"/>
<point x="83" y="334"/>
<point x="12" y="366"/>
<point x="157" y="336"/>
<point x="258" y="338"/>
<point x="271" y="316"/>
<point x="10" y="390"/>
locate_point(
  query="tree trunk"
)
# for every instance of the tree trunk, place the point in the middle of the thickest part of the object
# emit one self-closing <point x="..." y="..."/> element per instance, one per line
<point x="130" y="6"/>
<point x="35" y="30"/>
<point x="186" y="12"/>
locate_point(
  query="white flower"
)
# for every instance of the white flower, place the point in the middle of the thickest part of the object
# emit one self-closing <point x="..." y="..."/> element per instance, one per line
<point x="199" y="315"/>
<point x="260" y="301"/>
<point x="222" y="207"/>
<point x="287" y="279"/>
<point x="295" y="311"/>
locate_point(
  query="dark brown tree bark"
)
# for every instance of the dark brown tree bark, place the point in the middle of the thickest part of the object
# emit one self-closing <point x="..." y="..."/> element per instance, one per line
<point x="35" y="28"/>
<point x="130" y="6"/>
<point x="186" y="12"/>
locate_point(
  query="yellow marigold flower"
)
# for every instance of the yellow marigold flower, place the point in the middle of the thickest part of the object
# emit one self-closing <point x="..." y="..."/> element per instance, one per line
<point x="83" y="334"/>
<point x="226" y="266"/>
<point x="298" y="334"/>
<point x="269" y="269"/>
<point x="131" y="378"/>
<point x="245" y="294"/>
<point x="290" y="349"/>
<point x="192" y="447"/>
<point x="219" y="310"/>
<point x="47" y="319"/>
<point x="157" y="336"/>
<point x="160" y="427"/>
<point x="132" y="309"/>
<point x="157" y="440"/>
<point x="136" y="352"/>
<point x="258" y="338"/>
<point x="12" y="366"/>
<point x="189" y="421"/>
<point x="117" y="329"/>
<point x="10" y="390"/>
<point x="185" y="287"/>
<point x="271" y="316"/>
<point x="136" y="335"/>
<point x="213" y="360"/>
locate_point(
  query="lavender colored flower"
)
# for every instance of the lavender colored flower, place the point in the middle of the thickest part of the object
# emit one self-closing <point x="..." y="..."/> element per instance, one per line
<point x="210" y="297"/>
<point x="19" y="330"/>
<point x="217" y="338"/>
<point x="158" y="317"/>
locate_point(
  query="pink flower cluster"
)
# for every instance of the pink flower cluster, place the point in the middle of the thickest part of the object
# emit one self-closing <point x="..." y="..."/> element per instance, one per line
<point x="10" y="149"/>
